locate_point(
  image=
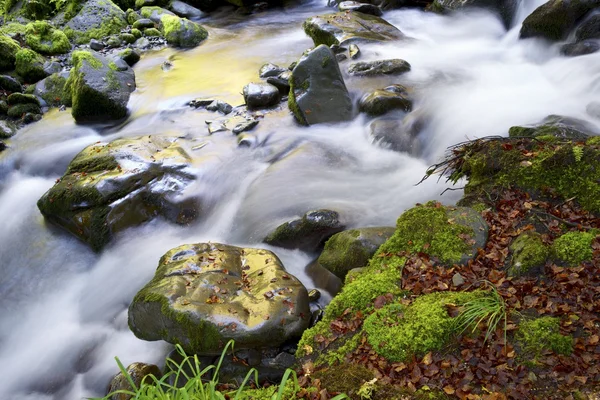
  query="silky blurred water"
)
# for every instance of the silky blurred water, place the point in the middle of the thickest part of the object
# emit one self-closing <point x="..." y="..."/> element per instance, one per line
<point x="63" y="308"/>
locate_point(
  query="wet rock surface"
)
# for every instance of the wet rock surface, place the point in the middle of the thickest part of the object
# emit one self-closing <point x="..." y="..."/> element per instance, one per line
<point x="258" y="95"/>
<point x="205" y="294"/>
<point x="382" y="101"/>
<point x="379" y="67"/>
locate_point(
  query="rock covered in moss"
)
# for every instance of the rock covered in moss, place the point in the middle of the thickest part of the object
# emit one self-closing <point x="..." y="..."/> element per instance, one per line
<point x="555" y="19"/>
<point x="46" y="39"/>
<point x="342" y="28"/>
<point x="29" y="65"/>
<point x="95" y="20"/>
<point x="138" y="372"/>
<point x="51" y="89"/>
<point x="353" y="248"/>
<point x="573" y="248"/>
<point x="379" y="67"/>
<point x="130" y="56"/>
<point x="504" y="8"/>
<point x="318" y="93"/>
<point x="307" y="233"/>
<point x="7" y="129"/>
<point x="99" y="91"/>
<point x="205" y="294"/>
<point x="10" y="84"/>
<point x="182" y="32"/>
<point x="8" y="51"/>
<point x="20" y="98"/>
<point x="154" y="13"/>
<point x="557" y="126"/>
<point x="382" y="101"/>
<point x="400" y="332"/>
<point x="529" y="253"/>
<point x="109" y="187"/>
<point x="151" y="32"/>
<point x="542" y="334"/>
<point x="19" y="111"/>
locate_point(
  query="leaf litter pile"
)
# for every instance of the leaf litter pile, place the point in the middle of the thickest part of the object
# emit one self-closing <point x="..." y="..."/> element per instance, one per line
<point x="497" y="368"/>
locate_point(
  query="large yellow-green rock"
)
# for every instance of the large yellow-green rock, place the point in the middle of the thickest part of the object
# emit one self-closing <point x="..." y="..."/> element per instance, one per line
<point x="182" y="32"/>
<point x="205" y="294"/>
<point x="96" y="20"/>
<point x="45" y="39"/>
<point x="8" y="51"/>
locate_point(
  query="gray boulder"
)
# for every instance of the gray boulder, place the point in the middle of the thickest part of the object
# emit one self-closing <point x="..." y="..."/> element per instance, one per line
<point x="352" y="249"/>
<point x="504" y="8"/>
<point x="185" y="10"/>
<point x="555" y="19"/>
<point x="259" y="95"/>
<point x="109" y="187"/>
<point x="589" y="29"/>
<point x="154" y="13"/>
<point x="98" y="90"/>
<point x="95" y="20"/>
<point x="205" y="294"/>
<point x="342" y="28"/>
<point x="394" y="66"/>
<point x="51" y="89"/>
<point x="318" y="93"/>
<point x="10" y="84"/>
<point x="364" y="8"/>
<point x="307" y="233"/>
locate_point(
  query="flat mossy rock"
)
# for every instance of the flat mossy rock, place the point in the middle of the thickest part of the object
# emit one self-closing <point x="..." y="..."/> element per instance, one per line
<point x="138" y="372"/>
<point x="29" y="65"/>
<point x="555" y="19"/>
<point x="96" y="20"/>
<point x="8" y="50"/>
<point x="528" y="254"/>
<point x="154" y="13"/>
<point x="349" y="27"/>
<point x="205" y="294"/>
<point x="109" y="187"/>
<point x="307" y="233"/>
<point x="545" y="167"/>
<point x="504" y="8"/>
<point x="98" y="89"/>
<point x="182" y="32"/>
<point x="353" y="248"/>
<point x="394" y="66"/>
<point x="556" y="126"/>
<point x="46" y="39"/>
<point x="318" y="93"/>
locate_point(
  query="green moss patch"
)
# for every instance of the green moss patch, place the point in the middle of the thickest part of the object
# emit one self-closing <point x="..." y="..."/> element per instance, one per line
<point x="538" y="335"/>
<point x="528" y="252"/>
<point x="45" y="39"/>
<point x="574" y="247"/>
<point x="30" y="65"/>
<point x="8" y="52"/>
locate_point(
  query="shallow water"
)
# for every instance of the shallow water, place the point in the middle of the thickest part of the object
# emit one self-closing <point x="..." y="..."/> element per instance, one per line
<point x="63" y="308"/>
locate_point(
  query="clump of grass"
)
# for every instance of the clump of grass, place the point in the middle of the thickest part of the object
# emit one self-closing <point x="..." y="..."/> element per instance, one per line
<point x="490" y="309"/>
<point x="197" y="384"/>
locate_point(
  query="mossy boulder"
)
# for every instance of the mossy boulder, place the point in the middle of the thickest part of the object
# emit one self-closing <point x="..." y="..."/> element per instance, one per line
<point x="154" y="13"/>
<point x="353" y="248"/>
<point x="7" y="129"/>
<point x="545" y="167"/>
<point x="348" y="27"/>
<point x="318" y="93"/>
<point x="307" y="233"/>
<point x="10" y="84"/>
<point x="138" y="372"/>
<point x="45" y="39"/>
<point x="538" y="335"/>
<point x="130" y="56"/>
<point x="8" y="51"/>
<point x="182" y="32"/>
<point x="98" y="90"/>
<point x="528" y="254"/>
<point x="400" y="332"/>
<point x="51" y="89"/>
<point x="109" y="187"/>
<point x="504" y="8"/>
<point x="151" y="32"/>
<point x="555" y="19"/>
<point x="96" y="20"/>
<point x="20" y="98"/>
<point x="205" y="294"/>
<point x="382" y="101"/>
<point x="573" y="248"/>
<point x="29" y="65"/>
<point x="20" y="110"/>
<point x="557" y="126"/>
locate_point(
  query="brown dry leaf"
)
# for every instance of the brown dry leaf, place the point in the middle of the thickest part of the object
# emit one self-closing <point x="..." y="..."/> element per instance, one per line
<point x="428" y="359"/>
<point x="449" y="389"/>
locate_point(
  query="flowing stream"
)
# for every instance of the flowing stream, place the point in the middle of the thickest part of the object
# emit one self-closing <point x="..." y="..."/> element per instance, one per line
<point x="63" y="308"/>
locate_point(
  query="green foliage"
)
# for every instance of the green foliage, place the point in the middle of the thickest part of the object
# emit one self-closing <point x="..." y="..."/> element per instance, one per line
<point x="198" y="385"/>
<point x="540" y="334"/>
<point x="489" y="308"/>
<point x="578" y="153"/>
<point x="574" y="247"/>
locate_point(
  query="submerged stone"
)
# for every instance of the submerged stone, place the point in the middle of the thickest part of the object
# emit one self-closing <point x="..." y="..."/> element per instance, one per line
<point x="555" y="19"/>
<point x="379" y="67"/>
<point x="110" y="187"/>
<point x="397" y="134"/>
<point x="364" y="8"/>
<point x="205" y="294"/>
<point x="380" y="102"/>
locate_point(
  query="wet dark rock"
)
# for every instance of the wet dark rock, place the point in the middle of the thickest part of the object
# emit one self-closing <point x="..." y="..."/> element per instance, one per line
<point x="19" y="110"/>
<point x="3" y="146"/>
<point x="185" y="10"/>
<point x="323" y="279"/>
<point x="307" y="233"/>
<point x="20" y="98"/>
<point x="504" y="8"/>
<point x="10" y="84"/>
<point x="246" y="140"/>
<point x="281" y="82"/>
<point x="220" y="106"/>
<point x="379" y="67"/>
<point x="314" y="295"/>
<point x="51" y="89"/>
<point x="341" y="57"/>
<point x="200" y="103"/>
<point x="98" y="92"/>
<point x="195" y="299"/>
<point x="130" y="56"/>
<point x="337" y="49"/>
<point x="244" y="126"/>
<point x="259" y="95"/>
<point x="143" y="23"/>
<point x="558" y="126"/>
<point x="137" y="372"/>
<point x="318" y="93"/>
<point x="380" y="102"/>
<point x="109" y="187"/>
<point x="354" y="51"/>
<point x="555" y="19"/>
<point x="95" y="20"/>
<point x="30" y="66"/>
<point x="396" y="134"/>
<point x="341" y="28"/>
<point x="7" y="129"/>
<point x="113" y="42"/>
<point x="269" y="70"/>
<point x="52" y="67"/>
<point x="580" y="48"/>
<point x="8" y="52"/>
<point x="364" y="8"/>
<point x="589" y="29"/>
<point x="120" y="64"/>
<point x="142" y="43"/>
<point x="352" y="249"/>
<point x="30" y="117"/>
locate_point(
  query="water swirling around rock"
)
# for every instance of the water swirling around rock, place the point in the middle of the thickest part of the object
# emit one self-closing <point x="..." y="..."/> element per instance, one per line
<point x="64" y="308"/>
